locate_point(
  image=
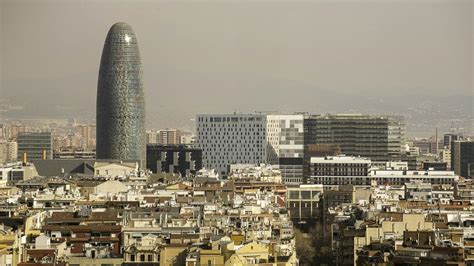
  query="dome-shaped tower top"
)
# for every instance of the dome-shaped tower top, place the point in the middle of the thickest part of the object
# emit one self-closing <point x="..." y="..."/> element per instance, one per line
<point x="121" y="25"/>
<point x="121" y="33"/>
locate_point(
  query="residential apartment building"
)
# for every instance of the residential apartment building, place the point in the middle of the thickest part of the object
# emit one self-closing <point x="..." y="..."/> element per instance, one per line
<point x="8" y="152"/>
<point x="445" y="155"/>
<point x="87" y="132"/>
<point x="169" y="137"/>
<point x="164" y="136"/>
<point x="151" y="137"/>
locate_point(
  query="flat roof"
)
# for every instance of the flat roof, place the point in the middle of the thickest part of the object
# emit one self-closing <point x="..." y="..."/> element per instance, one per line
<point x="339" y="159"/>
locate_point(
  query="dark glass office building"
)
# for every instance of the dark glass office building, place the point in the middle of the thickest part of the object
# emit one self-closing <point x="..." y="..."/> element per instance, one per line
<point x="120" y="98"/>
<point x="180" y="159"/>
<point x="379" y="138"/>
<point x="448" y="138"/>
<point x="36" y="145"/>
<point x="462" y="158"/>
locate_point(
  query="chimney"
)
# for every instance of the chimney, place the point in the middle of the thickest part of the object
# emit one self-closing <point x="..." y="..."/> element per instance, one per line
<point x="24" y="158"/>
<point x="44" y="155"/>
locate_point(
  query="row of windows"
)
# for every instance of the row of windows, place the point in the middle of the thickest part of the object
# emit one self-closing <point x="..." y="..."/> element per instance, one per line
<point x="380" y="180"/>
<point x="228" y="119"/>
<point x="232" y="144"/>
<point x="229" y="125"/>
<point x="215" y="164"/>
<point x="213" y="136"/>
<point x="341" y="164"/>
<point x="239" y="149"/>
<point x="293" y="180"/>
<point x="141" y="258"/>
<point x="238" y="157"/>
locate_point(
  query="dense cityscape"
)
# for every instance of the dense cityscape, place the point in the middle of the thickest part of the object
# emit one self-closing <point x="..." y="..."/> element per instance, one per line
<point x="235" y="188"/>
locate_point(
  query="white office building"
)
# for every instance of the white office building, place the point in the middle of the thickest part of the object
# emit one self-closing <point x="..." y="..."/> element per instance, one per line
<point x="285" y="137"/>
<point x="285" y="145"/>
<point x="446" y="157"/>
<point x="339" y="170"/>
<point x="231" y="139"/>
<point x="350" y="170"/>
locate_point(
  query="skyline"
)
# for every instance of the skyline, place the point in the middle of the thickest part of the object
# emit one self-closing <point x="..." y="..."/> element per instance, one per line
<point x="210" y="57"/>
<point x="295" y="132"/>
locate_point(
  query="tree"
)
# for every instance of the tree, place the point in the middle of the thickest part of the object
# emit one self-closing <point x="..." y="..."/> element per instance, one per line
<point x="321" y="242"/>
<point x="314" y="247"/>
<point x="304" y="247"/>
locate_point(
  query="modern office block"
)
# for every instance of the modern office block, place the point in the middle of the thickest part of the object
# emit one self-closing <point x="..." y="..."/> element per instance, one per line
<point x="379" y="138"/>
<point x="448" y="138"/>
<point x="325" y="170"/>
<point x="231" y="139"/>
<point x="285" y="137"/>
<point x="35" y="145"/>
<point x="180" y="159"/>
<point x="439" y="166"/>
<point x="291" y="170"/>
<point x="462" y="158"/>
<point x="285" y="145"/>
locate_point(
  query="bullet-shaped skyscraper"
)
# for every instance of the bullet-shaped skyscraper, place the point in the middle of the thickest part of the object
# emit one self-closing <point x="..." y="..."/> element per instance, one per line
<point x="120" y="98"/>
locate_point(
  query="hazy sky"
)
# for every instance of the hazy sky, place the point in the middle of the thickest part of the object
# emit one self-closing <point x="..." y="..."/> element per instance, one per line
<point x="221" y="56"/>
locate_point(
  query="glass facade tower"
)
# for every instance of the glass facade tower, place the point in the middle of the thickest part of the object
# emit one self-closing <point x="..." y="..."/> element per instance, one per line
<point x="36" y="145"/>
<point x="379" y="138"/>
<point x="120" y="98"/>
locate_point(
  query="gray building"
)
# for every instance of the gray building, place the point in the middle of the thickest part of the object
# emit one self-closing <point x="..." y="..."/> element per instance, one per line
<point x="379" y="138"/>
<point x="36" y="145"/>
<point x="462" y="158"/>
<point x="304" y="202"/>
<point x="181" y="159"/>
<point x="231" y="139"/>
<point x="448" y="138"/>
<point x="120" y="98"/>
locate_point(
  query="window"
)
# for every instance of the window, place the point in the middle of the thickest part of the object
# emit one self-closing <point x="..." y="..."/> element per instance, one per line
<point x="132" y="257"/>
<point x="142" y="257"/>
<point x="150" y="257"/>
